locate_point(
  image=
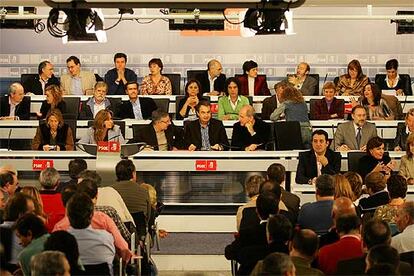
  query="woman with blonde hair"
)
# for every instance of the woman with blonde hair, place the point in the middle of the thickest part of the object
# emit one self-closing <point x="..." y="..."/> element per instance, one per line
<point x="103" y="129"/>
<point x="54" y="100"/>
<point x="343" y="188"/>
<point x="353" y="82"/>
<point x="37" y="200"/>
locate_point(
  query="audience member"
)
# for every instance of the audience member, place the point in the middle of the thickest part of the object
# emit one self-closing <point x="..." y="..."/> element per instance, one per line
<point x="294" y="108"/>
<point x="355" y="180"/>
<point x="212" y="80"/>
<point x="98" y="102"/>
<point x="155" y="83"/>
<point x="54" y="100"/>
<point x="75" y="167"/>
<point x="50" y="263"/>
<point x="302" y="81"/>
<point x="108" y="196"/>
<point x="38" y="83"/>
<point x="303" y="250"/>
<point x="319" y="160"/>
<point x="32" y="234"/>
<point x="135" y="197"/>
<point x="377" y="107"/>
<point x="392" y="80"/>
<point x="8" y="184"/>
<point x="382" y="254"/>
<point x="118" y="77"/>
<point x="343" y="188"/>
<point x="277" y="173"/>
<point x="206" y="133"/>
<point x="270" y="103"/>
<point x="66" y="243"/>
<point x="328" y="107"/>
<point x="349" y="245"/>
<point x="249" y="133"/>
<point x="34" y="193"/>
<point x="77" y="81"/>
<point x="317" y="215"/>
<point x="353" y="82"/>
<point x="375" y="183"/>
<point x="251" y="187"/>
<point x="277" y="264"/>
<point x="136" y="107"/>
<point x="161" y="134"/>
<point x="15" y="106"/>
<point x="54" y="134"/>
<point x="95" y="246"/>
<point x="52" y="202"/>
<point x="403" y="130"/>
<point x="407" y="161"/>
<point x="252" y="84"/>
<point x="187" y="105"/>
<point x="397" y="190"/>
<point x="103" y="130"/>
<point x="403" y="242"/>
<point x="354" y="135"/>
<point x="229" y="106"/>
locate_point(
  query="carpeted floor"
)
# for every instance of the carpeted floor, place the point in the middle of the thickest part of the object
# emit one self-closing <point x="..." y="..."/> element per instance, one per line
<point x="194" y="244"/>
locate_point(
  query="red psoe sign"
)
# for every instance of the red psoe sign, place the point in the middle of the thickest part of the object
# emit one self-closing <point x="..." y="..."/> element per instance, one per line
<point x="206" y="165"/>
<point x="40" y="165"/>
<point x="109" y="146"/>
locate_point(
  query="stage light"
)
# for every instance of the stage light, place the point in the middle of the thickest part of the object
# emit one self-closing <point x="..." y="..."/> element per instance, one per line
<point x="269" y="21"/>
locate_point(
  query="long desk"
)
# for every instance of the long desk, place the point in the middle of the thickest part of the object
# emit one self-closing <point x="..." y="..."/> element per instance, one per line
<point x="407" y="102"/>
<point x="179" y="173"/>
<point x="27" y="129"/>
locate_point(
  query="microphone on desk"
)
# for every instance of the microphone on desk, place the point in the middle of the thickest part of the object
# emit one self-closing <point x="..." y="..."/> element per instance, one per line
<point x="333" y="139"/>
<point x="8" y="139"/>
<point x="116" y="136"/>
<point x="326" y="76"/>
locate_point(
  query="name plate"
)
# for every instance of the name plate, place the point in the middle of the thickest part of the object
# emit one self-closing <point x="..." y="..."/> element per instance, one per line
<point x="206" y="165"/>
<point x="109" y="146"/>
<point x="40" y="165"/>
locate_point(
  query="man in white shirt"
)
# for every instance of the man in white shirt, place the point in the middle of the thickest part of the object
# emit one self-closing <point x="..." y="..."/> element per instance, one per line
<point x="77" y="82"/>
<point x="404" y="242"/>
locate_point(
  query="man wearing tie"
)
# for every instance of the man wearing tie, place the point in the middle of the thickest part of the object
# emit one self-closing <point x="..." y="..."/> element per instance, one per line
<point x="354" y="135"/>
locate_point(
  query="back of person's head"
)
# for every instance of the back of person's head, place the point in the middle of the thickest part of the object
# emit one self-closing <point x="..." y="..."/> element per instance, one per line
<point x="6" y="177"/>
<point x="91" y="175"/>
<point x="376" y="231"/>
<point x="343" y="206"/>
<point x="277" y="264"/>
<point x="49" y="263"/>
<point x="408" y="209"/>
<point x="271" y="186"/>
<point x="66" y="243"/>
<point x="30" y="223"/>
<point x="345" y="224"/>
<point x="276" y="172"/>
<point x="355" y="180"/>
<point x="397" y="186"/>
<point x="68" y="192"/>
<point x="267" y="204"/>
<point x="375" y="182"/>
<point x="79" y="211"/>
<point x="16" y="206"/>
<point x="382" y="269"/>
<point x="125" y="170"/>
<point x="306" y="242"/>
<point x="279" y="229"/>
<point x="383" y="254"/>
<point x="252" y="185"/>
<point x="325" y="185"/>
<point x="76" y="166"/>
<point x="88" y="187"/>
<point x="343" y="187"/>
<point x="49" y="178"/>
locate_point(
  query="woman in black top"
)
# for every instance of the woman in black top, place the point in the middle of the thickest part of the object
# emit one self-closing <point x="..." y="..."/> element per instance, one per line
<point x="186" y="106"/>
<point x="376" y="160"/>
<point x="54" y="100"/>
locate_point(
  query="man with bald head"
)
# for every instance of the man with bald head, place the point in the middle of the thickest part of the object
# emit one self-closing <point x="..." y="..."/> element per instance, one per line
<point x="212" y="80"/>
<point x="249" y="133"/>
<point x="15" y="106"/>
<point x="302" y="81"/>
<point x="404" y="242"/>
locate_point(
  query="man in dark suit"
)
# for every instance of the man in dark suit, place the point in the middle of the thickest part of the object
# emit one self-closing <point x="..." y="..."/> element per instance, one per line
<point x="212" y="80"/>
<point x="269" y="104"/>
<point x="319" y="160"/>
<point x="205" y="133"/>
<point x="249" y="133"/>
<point x="139" y="108"/>
<point x="302" y="81"/>
<point x="277" y="173"/>
<point x="403" y="130"/>
<point x="251" y="83"/>
<point x="45" y="77"/>
<point x="374" y="232"/>
<point x="160" y="134"/>
<point x="15" y="105"/>
<point x="118" y="77"/>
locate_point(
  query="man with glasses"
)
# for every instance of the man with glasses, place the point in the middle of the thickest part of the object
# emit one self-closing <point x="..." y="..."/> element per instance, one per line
<point x="160" y="134"/>
<point x="139" y="108"/>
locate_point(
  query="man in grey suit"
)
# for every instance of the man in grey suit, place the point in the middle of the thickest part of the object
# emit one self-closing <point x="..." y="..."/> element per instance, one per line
<point x="302" y="81"/>
<point x="354" y="135"/>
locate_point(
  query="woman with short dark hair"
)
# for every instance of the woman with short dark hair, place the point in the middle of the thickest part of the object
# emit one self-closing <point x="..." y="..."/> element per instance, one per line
<point x="155" y="83"/>
<point x="250" y="82"/>
<point x="392" y="80"/>
<point x="229" y="105"/>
